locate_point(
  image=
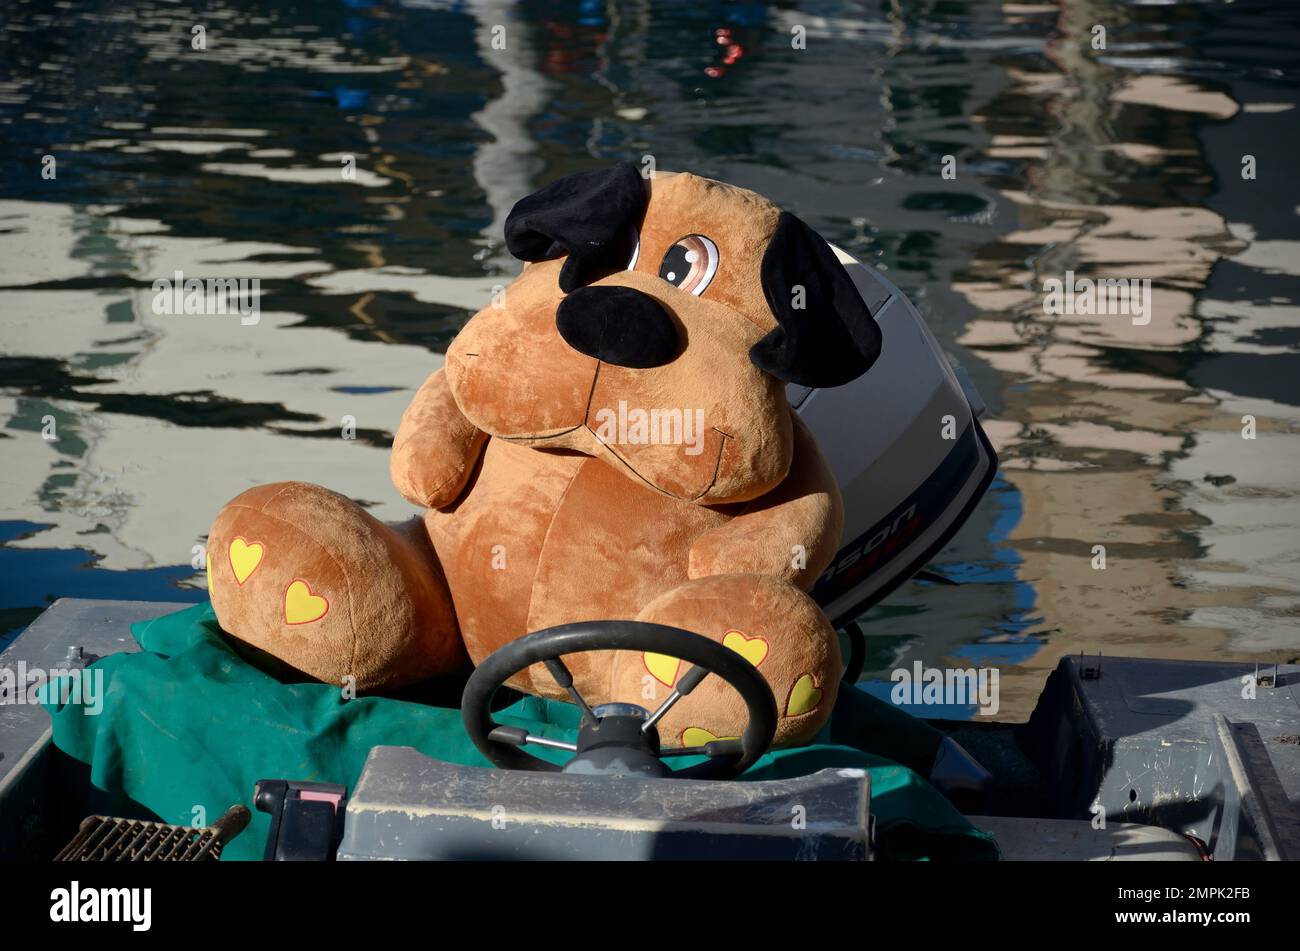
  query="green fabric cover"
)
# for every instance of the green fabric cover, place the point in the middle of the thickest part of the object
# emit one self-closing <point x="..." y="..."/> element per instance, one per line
<point x="187" y="722"/>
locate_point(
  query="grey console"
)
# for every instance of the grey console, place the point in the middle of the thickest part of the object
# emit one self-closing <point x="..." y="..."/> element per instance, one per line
<point x="408" y="806"/>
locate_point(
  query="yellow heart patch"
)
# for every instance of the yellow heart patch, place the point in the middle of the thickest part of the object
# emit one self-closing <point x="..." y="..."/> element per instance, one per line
<point x="804" y="696"/>
<point x="301" y="606"/>
<point x="698" y="736"/>
<point x="753" y="649"/>
<point x="662" y="667"/>
<point x="207" y="558"/>
<point x="244" y="558"/>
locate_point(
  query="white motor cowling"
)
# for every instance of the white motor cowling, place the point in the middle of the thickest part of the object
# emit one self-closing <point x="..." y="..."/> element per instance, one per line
<point x="906" y="447"/>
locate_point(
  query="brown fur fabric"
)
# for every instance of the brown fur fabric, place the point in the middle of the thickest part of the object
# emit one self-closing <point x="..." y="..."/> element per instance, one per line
<point x="534" y="516"/>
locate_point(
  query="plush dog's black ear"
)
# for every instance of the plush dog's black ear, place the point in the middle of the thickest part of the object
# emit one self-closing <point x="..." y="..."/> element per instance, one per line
<point x="829" y="340"/>
<point x="588" y="215"/>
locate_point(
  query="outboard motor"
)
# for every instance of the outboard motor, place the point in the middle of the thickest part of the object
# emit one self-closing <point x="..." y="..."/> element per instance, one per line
<point x="907" y="486"/>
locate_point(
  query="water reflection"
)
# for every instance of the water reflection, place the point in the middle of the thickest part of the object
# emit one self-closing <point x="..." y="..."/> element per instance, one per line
<point x="1123" y="162"/>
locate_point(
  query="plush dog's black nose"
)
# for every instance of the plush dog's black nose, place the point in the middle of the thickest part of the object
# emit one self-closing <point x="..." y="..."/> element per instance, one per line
<point x="619" y="325"/>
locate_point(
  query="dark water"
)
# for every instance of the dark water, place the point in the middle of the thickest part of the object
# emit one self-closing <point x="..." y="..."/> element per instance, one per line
<point x="1122" y="162"/>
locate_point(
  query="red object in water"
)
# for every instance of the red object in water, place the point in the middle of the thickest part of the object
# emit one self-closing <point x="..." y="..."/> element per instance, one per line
<point x="722" y="36"/>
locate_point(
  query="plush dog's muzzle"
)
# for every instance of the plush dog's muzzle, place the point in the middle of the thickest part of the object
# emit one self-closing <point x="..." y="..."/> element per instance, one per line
<point x="618" y="325"/>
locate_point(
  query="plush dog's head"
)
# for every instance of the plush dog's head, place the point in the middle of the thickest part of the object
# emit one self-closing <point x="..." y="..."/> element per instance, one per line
<point x="655" y="325"/>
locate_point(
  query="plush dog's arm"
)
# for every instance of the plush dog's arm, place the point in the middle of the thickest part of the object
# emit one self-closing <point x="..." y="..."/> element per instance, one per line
<point x="791" y="532"/>
<point x="435" y="448"/>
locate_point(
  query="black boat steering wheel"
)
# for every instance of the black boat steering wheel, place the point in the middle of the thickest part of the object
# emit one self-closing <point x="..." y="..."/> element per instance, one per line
<point x="619" y="738"/>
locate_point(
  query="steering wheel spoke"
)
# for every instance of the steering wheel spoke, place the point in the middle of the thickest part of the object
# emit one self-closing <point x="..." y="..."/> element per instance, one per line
<point x="727" y="747"/>
<point x="685" y="684"/>
<point x="515" y="736"/>
<point x="560" y="673"/>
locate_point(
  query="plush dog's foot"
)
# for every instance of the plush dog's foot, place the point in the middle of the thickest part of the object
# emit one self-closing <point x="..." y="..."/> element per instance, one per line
<point x="772" y="624"/>
<point x="311" y="578"/>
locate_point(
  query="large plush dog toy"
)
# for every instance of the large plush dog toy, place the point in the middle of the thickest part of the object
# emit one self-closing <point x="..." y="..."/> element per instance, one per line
<point x="609" y="439"/>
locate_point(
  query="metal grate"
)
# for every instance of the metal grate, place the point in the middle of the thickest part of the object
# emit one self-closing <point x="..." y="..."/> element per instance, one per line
<point x="106" y="839"/>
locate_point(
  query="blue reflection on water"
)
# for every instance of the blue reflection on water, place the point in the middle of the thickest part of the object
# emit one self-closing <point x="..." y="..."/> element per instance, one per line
<point x="881" y="690"/>
<point x="1004" y="642"/>
<point x="35" y="577"/>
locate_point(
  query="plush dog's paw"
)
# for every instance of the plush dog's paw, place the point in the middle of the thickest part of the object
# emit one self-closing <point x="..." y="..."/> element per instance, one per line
<point x="312" y="579"/>
<point x="435" y="448"/>
<point x="772" y="624"/>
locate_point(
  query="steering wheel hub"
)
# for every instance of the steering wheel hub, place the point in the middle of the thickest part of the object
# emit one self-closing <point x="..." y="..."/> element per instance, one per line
<point x="617" y="744"/>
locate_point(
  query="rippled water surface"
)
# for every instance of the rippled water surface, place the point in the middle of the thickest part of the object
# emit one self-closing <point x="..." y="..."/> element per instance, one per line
<point x="1122" y="162"/>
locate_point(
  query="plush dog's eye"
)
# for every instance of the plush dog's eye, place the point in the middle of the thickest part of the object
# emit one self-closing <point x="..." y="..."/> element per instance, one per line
<point x="690" y="263"/>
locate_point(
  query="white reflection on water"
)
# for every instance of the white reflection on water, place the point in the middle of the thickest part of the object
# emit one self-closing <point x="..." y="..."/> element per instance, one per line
<point x="145" y="490"/>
